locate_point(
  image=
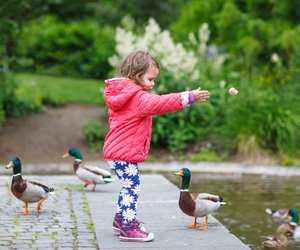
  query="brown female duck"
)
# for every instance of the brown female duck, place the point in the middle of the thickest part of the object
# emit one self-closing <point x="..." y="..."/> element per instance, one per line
<point x="280" y="240"/>
<point x="197" y="204"/>
<point x="28" y="191"/>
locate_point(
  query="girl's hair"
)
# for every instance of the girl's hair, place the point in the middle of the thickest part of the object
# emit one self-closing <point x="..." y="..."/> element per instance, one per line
<point x="135" y="65"/>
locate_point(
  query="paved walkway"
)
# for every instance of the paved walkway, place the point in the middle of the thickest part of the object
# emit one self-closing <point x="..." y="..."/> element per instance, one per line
<point x="64" y="221"/>
<point x="158" y="207"/>
<point x="75" y="219"/>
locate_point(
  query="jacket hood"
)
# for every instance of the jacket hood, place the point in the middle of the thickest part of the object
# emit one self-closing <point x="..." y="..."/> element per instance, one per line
<point x="118" y="92"/>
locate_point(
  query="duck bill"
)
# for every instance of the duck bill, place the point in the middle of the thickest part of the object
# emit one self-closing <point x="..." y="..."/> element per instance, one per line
<point x="10" y="165"/>
<point x="179" y="173"/>
<point x="65" y="155"/>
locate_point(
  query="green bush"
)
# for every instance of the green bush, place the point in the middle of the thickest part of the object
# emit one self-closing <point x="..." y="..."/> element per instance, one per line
<point x="272" y="118"/>
<point x="2" y="114"/>
<point x="94" y="133"/>
<point x="16" y="99"/>
<point x="206" y="154"/>
<point x="75" y="48"/>
<point x="177" y="130"/>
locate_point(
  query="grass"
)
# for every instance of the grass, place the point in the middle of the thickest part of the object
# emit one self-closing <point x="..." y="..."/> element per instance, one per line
<point x="63" y="90"/>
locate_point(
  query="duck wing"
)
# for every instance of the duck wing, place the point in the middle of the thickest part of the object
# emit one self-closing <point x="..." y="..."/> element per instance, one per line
<point x="270" y="243"/>
<point x="94" y="174"/>
<point x="39" y="184"/>
<point x="267" y="237"/>
<point x="96" y="170"/>
<point x="279" y="213"/>
<point x="206" y="196"/>
<point x="34" y="191"/>
<point x="206" y="203"/>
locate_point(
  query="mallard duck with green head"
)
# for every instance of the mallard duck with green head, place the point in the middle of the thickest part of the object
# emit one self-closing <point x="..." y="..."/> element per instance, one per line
<point x="293" y="224"/>
<point x="196" y="204"/>
<point x="28" y="191"/>
<point x="88" y="173"/>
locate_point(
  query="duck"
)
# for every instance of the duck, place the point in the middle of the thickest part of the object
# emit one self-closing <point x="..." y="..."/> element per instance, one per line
<point x="289" y="216"/>
<point x="28" y="191"/>
<point x="293" y="213"/>
<point x="280" y="240"/>
<point x="87" y="173"/>
<point x="196" y="204"/>
<point x="278" y="214"/>
<point x="285" y="232"/>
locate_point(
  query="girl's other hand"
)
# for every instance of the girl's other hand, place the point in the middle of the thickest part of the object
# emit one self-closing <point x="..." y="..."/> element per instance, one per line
<point x="201" y="95"/>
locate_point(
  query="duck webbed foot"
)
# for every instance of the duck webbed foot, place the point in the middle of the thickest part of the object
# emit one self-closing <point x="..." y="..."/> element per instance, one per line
<point x="40" y="204"/>
<point x="26" y="212"/>
<point x="194" y="225"/>
<point x="89" y="183"/>
<point x="204" y="226"/>
<point x="93" y="189"/>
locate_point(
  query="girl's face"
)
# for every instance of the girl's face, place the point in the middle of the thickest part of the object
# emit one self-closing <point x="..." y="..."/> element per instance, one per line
<point x="148" y="79"/>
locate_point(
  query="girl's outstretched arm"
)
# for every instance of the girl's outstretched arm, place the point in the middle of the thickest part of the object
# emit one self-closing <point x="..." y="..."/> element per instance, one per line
<point x="152" y="104"/>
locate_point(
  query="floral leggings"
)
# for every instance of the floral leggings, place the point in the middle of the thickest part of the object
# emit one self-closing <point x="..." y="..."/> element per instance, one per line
<point x="128" y="174"/>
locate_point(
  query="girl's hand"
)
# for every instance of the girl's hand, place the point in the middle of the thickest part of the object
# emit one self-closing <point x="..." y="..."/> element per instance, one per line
<point x="201" y="95"/>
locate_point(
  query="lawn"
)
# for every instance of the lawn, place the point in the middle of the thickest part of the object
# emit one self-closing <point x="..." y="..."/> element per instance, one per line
<point x="61" y="90"/>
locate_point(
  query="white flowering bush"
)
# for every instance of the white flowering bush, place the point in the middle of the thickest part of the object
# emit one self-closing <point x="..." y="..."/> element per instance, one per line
<point x="203" y="37"/>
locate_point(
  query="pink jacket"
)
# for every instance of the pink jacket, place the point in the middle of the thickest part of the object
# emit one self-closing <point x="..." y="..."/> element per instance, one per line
<point x="130" y="110"/>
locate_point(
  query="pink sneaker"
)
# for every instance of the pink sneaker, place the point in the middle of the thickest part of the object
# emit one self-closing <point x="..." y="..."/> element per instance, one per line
<point x="132" y="232"/>
<point x="117" y="224"/>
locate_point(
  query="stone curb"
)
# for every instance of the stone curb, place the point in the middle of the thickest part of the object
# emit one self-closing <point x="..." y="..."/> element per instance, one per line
<point x="160" y="167"/>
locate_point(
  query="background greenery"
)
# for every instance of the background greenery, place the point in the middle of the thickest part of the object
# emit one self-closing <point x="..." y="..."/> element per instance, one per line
<point x="51" y="52"/>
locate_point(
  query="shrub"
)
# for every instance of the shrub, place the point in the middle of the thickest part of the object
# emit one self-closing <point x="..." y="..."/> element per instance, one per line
<point x="94" y="133"/>
<point x="75" y="48"/>
<point x="273" y="119"/>
<point x="206" y="154"/>
<point x="17" y="100"/>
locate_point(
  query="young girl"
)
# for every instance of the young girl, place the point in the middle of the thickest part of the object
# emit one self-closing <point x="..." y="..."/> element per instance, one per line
<point x="130" y="110"/>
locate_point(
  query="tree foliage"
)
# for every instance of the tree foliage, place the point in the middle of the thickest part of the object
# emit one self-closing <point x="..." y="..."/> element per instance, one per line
<point x="267" y="22"/>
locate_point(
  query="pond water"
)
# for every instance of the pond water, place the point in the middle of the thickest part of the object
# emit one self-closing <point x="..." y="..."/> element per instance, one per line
<point x="247" y="197"/>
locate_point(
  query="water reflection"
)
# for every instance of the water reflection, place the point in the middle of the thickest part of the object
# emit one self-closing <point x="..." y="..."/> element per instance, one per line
<point x="247" y="196"/>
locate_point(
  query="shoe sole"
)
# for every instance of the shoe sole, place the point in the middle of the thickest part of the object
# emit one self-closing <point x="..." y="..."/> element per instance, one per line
<point x="117" y="230"/>
<point x="149" y="238"/>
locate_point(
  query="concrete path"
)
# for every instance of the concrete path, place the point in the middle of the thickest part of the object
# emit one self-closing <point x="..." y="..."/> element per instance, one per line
<point x="75" y="219"/>
<point x="158" y="208"/>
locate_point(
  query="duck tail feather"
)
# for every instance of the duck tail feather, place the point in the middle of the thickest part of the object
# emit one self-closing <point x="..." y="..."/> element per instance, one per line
<point x="51" y="191"/>
<point x="108" y="180"/>
<point x="269" y="211"/>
